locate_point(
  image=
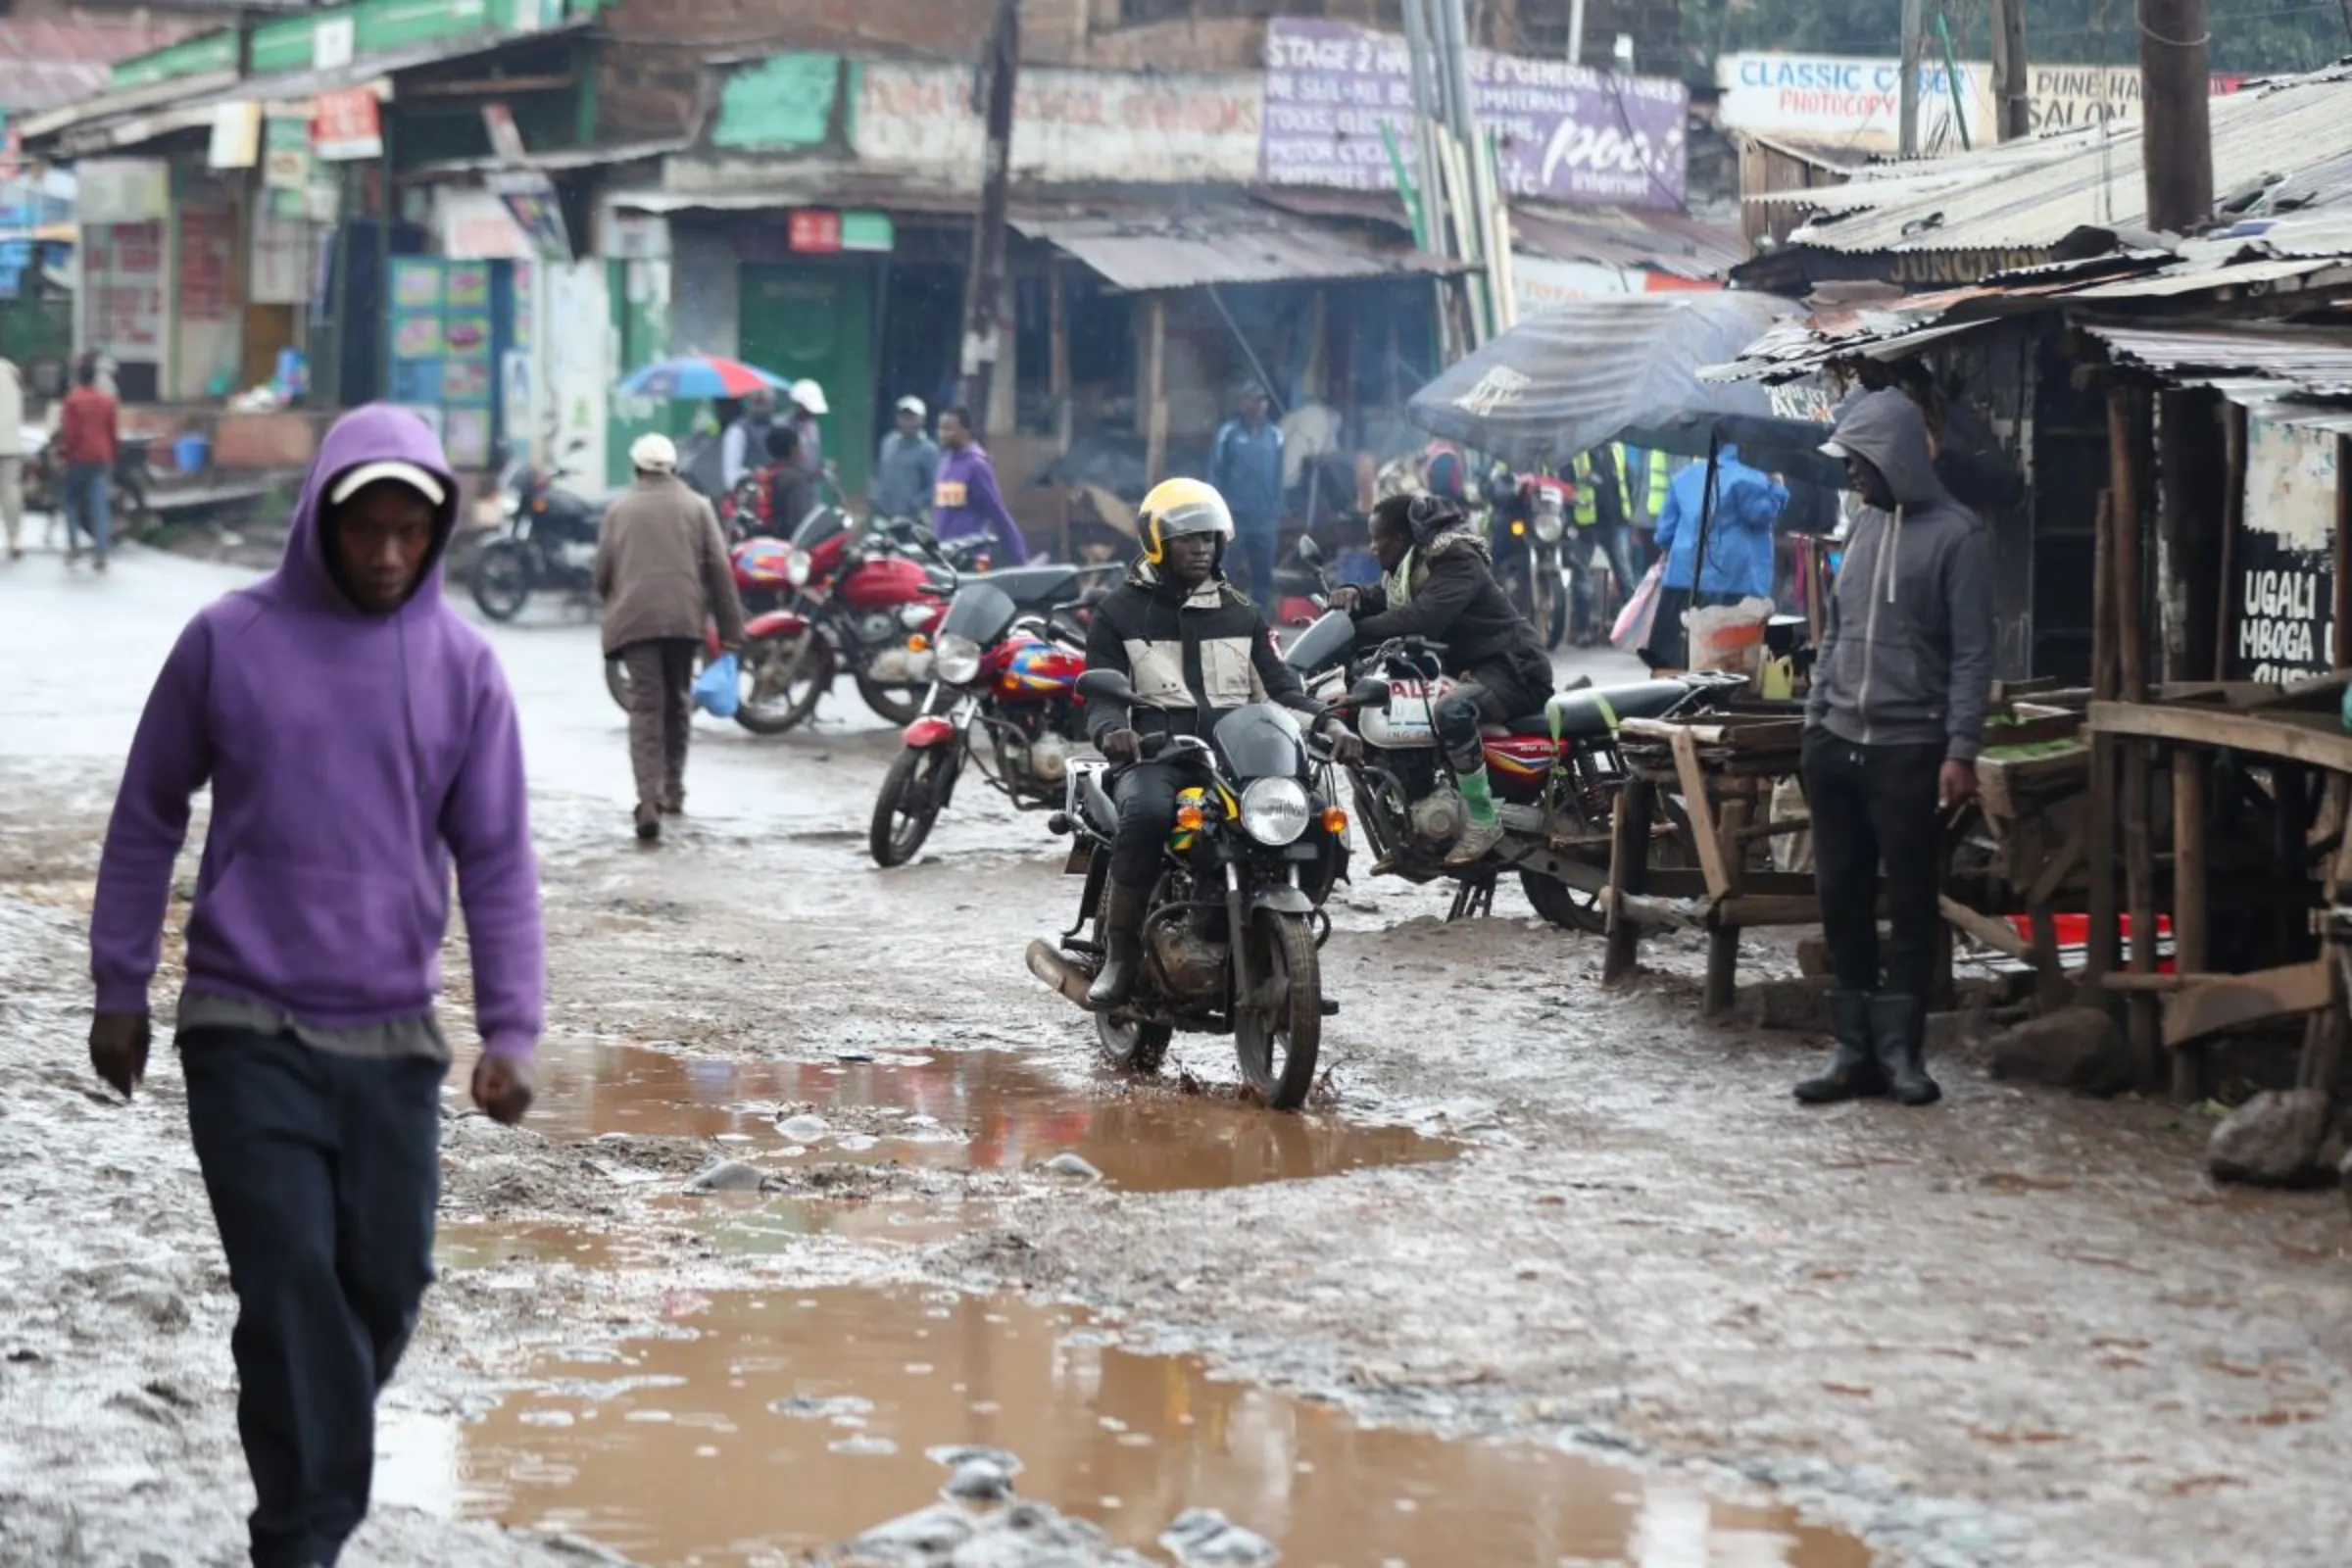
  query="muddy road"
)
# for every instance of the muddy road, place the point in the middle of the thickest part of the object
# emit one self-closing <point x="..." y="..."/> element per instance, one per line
<point x="1547" y="1274"/>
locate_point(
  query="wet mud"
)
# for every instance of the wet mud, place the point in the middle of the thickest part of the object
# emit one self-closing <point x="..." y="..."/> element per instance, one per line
<point x="826" y="1411"/>
<point x="1531" y="1225"/>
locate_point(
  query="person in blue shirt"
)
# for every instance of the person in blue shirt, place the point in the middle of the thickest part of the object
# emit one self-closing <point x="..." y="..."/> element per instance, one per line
<point x="1738" y="562"/>
<point x="1244" y="465"/>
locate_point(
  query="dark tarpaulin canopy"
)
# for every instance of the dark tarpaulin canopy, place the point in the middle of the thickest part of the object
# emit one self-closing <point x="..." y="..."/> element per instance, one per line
<point x="1625" y="369"/>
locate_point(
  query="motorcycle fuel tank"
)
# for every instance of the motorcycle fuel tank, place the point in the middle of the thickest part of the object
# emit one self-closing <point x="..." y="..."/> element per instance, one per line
<point x="883" y="583"/>
<point x="1039" y="670"/>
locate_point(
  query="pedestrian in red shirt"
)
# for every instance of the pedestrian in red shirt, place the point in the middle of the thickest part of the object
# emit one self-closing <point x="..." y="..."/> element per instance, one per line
<point x="87" y="433"/>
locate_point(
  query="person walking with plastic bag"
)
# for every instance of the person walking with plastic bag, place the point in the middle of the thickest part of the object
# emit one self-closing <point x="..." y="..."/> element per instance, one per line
<point x="662" y="572"/>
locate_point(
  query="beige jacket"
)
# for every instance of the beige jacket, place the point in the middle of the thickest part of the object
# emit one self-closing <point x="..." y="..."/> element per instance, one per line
<point x="662" y="568"/>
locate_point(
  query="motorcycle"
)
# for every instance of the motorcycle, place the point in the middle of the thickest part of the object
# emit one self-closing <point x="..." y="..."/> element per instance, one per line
<point x="1233" y="937"/>
<point x="545" y="540"/>
<point x="128" y="509"/>
<point x="1555" y="774"/>
<point x="1528" y="520"/>
<point x="1005" y="674"/>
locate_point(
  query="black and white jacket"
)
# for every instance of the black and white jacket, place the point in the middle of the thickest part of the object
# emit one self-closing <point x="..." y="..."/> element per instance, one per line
<point x="1191" y="657"/>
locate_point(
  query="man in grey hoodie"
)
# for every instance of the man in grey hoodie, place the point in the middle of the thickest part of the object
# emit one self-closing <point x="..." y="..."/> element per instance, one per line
<point x="1893" y="728"/>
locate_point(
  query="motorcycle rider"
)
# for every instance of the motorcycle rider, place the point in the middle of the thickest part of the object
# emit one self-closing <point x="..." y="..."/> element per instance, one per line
<point x="1437" y="583"/>
<point x="743" y="446"/>
<point x="1194" y="648"/>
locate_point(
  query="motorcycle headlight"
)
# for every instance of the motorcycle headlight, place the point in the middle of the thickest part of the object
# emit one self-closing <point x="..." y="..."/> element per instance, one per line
<point x="1274" y="811"/>
<point x="1549" y="526"/>
<point x="796" y="568"/>
<point x="509" y="504"/>
<point x="956" y="660"/>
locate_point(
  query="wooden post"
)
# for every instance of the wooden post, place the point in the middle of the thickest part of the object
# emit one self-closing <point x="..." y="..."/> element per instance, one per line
<point x="2233" y="518"/>
<point x="2128" y="437"/>
<point x="2191" y="945"/>
<point x="2012" y="100"/>
<point x="2342" y="555"/>
<point x="1629" y="873"/>
<point x="2098" y="832"/>
<point x="1155" y="380"/>
<point x="983" y="283"/>
<point x="2176" y="115"/>
<point x="1723" y="939"/>
<point x="1057" y="368"/>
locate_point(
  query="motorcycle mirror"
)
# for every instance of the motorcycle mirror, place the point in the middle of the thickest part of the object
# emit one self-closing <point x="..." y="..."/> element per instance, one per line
<point x="1309" y="552"/>
<point x="1106" y="686"/>
<point x="1366" y="694"/>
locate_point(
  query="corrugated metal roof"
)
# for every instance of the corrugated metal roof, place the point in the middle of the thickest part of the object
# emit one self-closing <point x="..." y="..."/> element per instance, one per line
<point x="45" y="62"/>
<point x="1612" y="236"/>
<point x="2205" y="279"/>
<point x="563" y="161"/>
<point x="1144" y="249"/>
<point x="2247" y="364"/>
<point x="2289" y="135"/>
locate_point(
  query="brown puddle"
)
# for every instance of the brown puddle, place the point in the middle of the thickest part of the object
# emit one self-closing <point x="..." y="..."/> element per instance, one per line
<point x="963" y="1110"/>
<point x="794" y="1419"/>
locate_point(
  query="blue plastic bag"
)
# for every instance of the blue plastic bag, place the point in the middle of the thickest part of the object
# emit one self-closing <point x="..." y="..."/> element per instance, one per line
<point x="718" y="689"/>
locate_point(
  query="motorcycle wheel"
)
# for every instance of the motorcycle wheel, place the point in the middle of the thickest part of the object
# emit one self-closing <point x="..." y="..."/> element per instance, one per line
<point x="1547" y="606"/>
<point x="908" y="805"/>
<point x="783" y="682"/>
<point x="900" y="704"/>
<point x="1569" y="909"/>
<point x="1277" y="1038"/>
<point x="501" y="581"/>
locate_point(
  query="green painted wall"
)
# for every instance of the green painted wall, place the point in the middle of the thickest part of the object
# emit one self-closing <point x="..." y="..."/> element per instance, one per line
<point x="783" y="101"/>
<point x="190" y="57"/>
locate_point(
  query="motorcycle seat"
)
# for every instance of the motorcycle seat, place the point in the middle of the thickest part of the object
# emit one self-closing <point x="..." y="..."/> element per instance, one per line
<point x="1597" y="710"/>
<point x="1034" y="587"/>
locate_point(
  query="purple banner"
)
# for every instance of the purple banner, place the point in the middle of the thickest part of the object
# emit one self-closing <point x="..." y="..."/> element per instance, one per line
<point x="1563" y="133"/>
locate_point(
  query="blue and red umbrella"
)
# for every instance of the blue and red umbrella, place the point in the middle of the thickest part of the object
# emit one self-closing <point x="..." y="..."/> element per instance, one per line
<point x="699" y="375"/>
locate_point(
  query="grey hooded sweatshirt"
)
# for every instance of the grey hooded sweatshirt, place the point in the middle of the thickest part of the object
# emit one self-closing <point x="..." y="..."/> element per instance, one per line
<point x="1908" y="656"/>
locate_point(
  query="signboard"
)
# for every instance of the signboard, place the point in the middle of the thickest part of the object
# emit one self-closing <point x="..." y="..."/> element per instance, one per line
<point x="122" y="190"/>
<point x="813" y="231"/>
<point x="347" y="126"/>
<point x="2284" y="613"/>
<point x="236" y="136"/>
<point x="476" y="226"/>
<point x="635" y="236"/>
<point x="530" y="199"/>
<point x="443" y="350"/>
<point x="1563" y="132"/>
<point x="1850" y="101"/>
<point x="505" y="139"/>
<point x="1069" y="126"/>
<point x="2070" y="97"/>
<point x="334" y="40"/>
<point x="123" y="276"/>
<point x="286" y="167"/>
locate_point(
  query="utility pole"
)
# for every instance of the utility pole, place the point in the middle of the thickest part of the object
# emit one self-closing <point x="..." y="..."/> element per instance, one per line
<point x="984" y="283"/>
<point x="1575" y="32"/>
<point x="1908" y="103"/>
<point x="2176" y="115"/>
<point x="2012" y="99"/>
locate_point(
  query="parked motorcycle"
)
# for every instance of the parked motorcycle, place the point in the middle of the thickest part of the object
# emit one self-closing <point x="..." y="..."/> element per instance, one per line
<point x="545" y="542"/>
<point x="1231" y="942"/>
<point x="1005" y="674"/>
<point x="1555" y="774"/>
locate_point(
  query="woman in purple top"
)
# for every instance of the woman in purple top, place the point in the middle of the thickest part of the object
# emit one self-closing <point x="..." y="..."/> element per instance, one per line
<point x="965" y="501"/>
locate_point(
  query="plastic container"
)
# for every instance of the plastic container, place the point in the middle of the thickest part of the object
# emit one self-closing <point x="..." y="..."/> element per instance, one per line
<point x="190" y="453"/>
<point x="1727" y="637"/>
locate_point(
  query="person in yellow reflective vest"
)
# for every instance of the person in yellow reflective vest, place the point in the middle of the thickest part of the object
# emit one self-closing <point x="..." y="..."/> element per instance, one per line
<point x="1646" y="475"/>
<point x="1600" y="518"/>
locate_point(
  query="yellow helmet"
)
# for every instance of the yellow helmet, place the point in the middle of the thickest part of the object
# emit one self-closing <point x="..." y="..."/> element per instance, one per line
<point x="1176" y="507"/>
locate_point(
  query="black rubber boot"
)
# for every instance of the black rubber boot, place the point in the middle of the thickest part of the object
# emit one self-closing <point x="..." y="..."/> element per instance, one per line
<point x="1122" y="946"/>
<point x="1854" y="1072"/>
<point x="1899" y="1024"/>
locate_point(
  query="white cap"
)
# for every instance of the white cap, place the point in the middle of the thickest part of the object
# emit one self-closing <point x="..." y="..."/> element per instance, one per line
<point x="913" y="406"/>
<point x="653" y="453"/>
<point x="808" y="394"/>
<point x="357" y="479"/>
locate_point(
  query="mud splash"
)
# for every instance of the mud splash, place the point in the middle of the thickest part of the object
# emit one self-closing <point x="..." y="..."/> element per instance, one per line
<point x="756" y="1425"/>
<point x="956" y="1110"/>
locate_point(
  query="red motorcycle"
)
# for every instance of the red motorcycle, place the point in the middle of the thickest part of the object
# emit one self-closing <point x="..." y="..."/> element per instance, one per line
<point x="769" y="577"/>
<point x="1005" y="670"/>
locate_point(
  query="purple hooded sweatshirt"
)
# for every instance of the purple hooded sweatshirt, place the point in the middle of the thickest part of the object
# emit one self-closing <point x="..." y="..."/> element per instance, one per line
<point x="351" y="756"/>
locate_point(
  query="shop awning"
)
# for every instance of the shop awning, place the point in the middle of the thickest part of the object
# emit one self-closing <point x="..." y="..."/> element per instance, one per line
<point x="131" y="119"/>
<point x="1143" y="251"/>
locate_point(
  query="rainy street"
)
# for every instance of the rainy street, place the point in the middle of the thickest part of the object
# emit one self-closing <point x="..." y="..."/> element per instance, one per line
<point x="1547" y="1274"/>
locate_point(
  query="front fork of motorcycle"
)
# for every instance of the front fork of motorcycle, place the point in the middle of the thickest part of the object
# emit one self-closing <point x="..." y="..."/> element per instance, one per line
<point x="1236" y="937"/>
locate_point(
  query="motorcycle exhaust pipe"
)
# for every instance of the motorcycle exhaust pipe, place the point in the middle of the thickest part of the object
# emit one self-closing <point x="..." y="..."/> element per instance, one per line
<point x="1047" y="964"/>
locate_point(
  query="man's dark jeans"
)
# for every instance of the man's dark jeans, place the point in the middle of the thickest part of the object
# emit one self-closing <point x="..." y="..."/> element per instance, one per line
<point x="1875" y="805"/>
<point x="323" y="1171"/>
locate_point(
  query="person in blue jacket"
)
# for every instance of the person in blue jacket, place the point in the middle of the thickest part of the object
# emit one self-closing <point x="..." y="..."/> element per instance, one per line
<point x="1738" y="562"/>
<point x="1244" y="465"/>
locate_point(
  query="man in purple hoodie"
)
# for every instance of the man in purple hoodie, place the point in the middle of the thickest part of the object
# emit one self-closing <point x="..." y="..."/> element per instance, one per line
<point x="966" y="503"/>
<point x="359" y="739"/>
